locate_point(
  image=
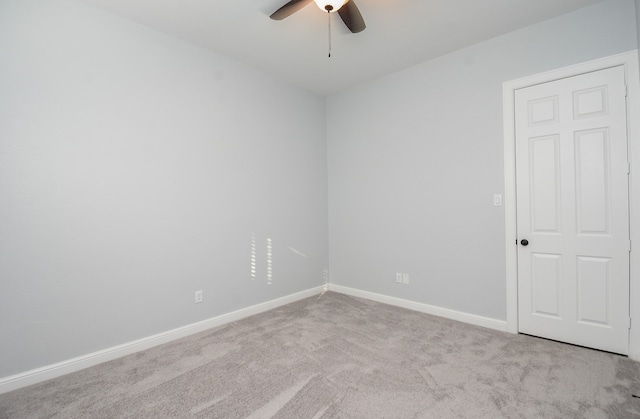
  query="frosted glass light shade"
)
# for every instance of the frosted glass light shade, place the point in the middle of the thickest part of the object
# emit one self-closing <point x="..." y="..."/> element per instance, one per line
<point x="334" y="5"/>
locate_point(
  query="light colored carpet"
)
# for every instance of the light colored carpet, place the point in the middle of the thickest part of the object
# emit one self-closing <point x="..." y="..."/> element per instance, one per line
<point x="337" y="356"/>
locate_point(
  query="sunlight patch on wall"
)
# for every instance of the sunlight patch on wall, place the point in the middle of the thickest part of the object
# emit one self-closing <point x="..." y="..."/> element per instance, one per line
<point x="253" y="256"/>
<point x="297" y="252"/>
<point x="269" y="262"/>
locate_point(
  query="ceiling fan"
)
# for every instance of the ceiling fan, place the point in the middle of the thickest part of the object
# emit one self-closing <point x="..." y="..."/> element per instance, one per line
<point x="347" y="10"/>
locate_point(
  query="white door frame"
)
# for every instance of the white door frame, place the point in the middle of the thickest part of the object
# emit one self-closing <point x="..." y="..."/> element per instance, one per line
<point x="630" y="62"/>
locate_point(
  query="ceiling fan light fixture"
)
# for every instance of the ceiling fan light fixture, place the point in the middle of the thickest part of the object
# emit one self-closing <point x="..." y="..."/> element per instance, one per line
<point x="330" y="5"/>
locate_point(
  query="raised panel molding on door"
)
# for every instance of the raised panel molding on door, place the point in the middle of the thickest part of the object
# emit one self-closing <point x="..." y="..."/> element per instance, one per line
<point x="573" y="210"/>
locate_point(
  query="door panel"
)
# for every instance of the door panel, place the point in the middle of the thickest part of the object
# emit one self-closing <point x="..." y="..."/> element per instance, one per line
<point x="592" y="182"/>
<point x="594" y="278"/>
<point x="546" y="277"/>
<point x="544" y="175"/>
<point x="572" y="207"/>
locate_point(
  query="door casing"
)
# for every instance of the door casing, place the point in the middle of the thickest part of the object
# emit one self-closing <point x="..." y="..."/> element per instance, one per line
<point x="630" y="62"/>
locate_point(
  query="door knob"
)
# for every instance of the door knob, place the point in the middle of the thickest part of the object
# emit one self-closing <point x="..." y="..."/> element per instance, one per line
<point x="524" y="242"/>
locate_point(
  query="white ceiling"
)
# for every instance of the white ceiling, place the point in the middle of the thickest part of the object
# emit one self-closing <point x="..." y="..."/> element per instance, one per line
<point x="399" y="33"/>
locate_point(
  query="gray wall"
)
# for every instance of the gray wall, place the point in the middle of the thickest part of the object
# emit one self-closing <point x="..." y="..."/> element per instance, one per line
<point x="134" y="169"/>
<point x="415" y="158"/>
<point x="638" y="20"/>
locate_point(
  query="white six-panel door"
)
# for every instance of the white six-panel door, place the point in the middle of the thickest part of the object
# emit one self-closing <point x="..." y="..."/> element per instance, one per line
<point x="573" y="210"/>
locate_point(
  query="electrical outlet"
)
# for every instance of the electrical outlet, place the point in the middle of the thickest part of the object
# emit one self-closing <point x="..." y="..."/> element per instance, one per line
<point x="199" y="296"/>
<point x="399" y="277"/>
<point x="405" y="278"/>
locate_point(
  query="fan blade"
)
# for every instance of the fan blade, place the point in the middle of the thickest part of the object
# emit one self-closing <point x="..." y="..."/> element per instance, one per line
<point x="289" y="9"/>
<point x="351" y="17"/>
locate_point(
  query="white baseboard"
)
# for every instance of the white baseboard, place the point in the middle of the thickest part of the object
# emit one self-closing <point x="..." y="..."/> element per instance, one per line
<point x="27" y="378"/>
<point x="24" y="379"/>
<point x="424" y="308"/>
